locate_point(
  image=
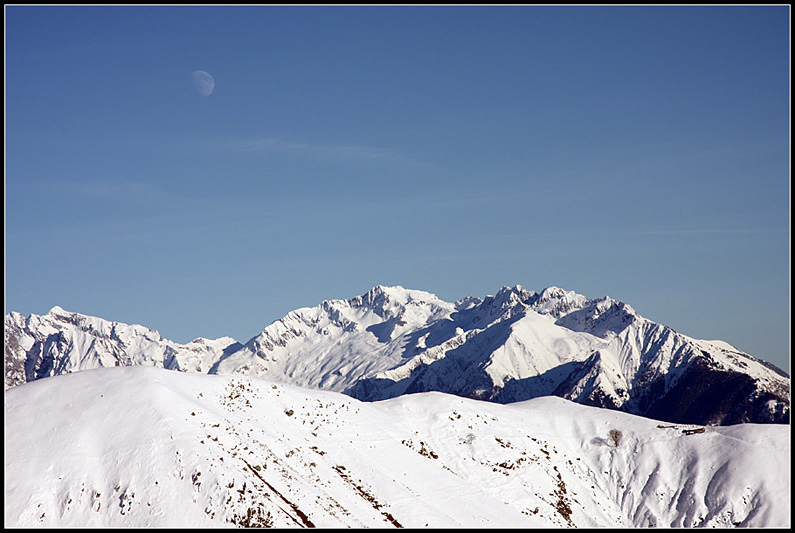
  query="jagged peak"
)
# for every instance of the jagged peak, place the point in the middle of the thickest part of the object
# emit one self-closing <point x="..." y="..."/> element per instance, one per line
<point x="60" y="315"/>
<point x="381" y="297"/>
<point x="599" y="316"/>
<point x="387" y="288"/>
<point x="553" y="293"/>
<point x="59" y="318"/>
<point x="605" y="303"/>
<point x="467" y="302"/>
<point x="382" y="291"/>
<point x="399" y="292"/>
<point x="558" y="302"/>
<point x="517" y="290"/>
<point x="57" y="310"/>
<point x="509" y="296"/>
<point x="204" y="341"/>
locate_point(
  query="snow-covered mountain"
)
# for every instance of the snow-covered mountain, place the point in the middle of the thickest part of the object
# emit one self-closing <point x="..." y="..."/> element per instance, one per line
<point x="61" y="342"/>
<point x="513" y="346"/>
<point x="146" y="447"/>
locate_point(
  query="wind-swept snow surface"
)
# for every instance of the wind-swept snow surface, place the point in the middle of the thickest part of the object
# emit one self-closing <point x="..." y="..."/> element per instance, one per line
<point x="146" y="447"/>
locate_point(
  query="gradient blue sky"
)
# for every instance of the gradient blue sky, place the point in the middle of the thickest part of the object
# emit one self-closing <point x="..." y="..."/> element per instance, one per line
<point x="640" y="153"/>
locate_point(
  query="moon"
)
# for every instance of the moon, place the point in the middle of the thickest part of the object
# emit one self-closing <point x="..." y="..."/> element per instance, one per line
<point x="203" y="82"/>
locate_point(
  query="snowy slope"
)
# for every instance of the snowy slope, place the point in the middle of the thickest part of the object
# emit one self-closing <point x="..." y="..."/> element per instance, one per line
<point x="146" y="447"/>
<point x="513" y="346"/>
<point x="335" y="344"/>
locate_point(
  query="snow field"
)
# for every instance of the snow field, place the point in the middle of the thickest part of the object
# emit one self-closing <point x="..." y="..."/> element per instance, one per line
<point x="147" y="447"/>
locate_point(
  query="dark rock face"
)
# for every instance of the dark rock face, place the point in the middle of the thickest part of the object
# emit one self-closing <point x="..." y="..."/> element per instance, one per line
<point x="703" y="395"/>
<point x="700" y="395"/>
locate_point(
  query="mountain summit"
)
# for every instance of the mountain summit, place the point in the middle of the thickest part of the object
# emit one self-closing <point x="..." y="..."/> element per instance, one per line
<point x="513" y="346"/>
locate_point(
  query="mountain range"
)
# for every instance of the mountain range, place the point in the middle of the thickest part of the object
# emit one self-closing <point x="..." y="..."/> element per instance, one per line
<point x="513" y="346"/>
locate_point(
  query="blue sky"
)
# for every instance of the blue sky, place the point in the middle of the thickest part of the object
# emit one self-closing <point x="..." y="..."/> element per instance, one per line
<point x="640" y="153"/>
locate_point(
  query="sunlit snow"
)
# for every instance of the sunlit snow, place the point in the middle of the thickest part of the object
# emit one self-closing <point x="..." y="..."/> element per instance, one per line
<point x="146" y="447"/>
